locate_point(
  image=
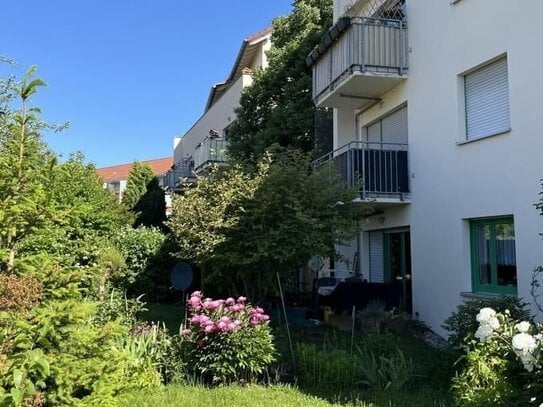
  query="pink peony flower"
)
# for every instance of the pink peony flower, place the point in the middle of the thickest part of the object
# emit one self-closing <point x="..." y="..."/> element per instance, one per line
<point x="185" y="332"/>
<point x="196" y="294"/>
<point x="242" y="299"/>
<point x="194" y="301"/>
<point x="225" y="319"/>
<point x="209" y="329"/>
<point x="230" y="301"/>
<point x="222" y="326"/>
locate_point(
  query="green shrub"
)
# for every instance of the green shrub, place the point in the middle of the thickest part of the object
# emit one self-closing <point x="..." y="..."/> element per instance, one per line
<point x="491" y="374"/>
<point x="143" y="256"/>
<point x="117" y="307"/>
<point x="462" y="324"/>
<point x="227" y="340"/>
<point x="88" y="363"/>
<point x="392" y="372"/>
<point x="333" y="370"/>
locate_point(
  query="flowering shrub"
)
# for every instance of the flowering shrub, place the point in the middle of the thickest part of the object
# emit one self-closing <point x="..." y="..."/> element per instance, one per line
<point x="226" y="340"/>
<point x="503" y="363"/>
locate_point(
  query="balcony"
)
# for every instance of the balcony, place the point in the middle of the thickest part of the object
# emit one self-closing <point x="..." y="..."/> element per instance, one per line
<point x="359" y="60"/>
<point x="210" y="151"/>
<point x="379" y="170"/>
<point x="182" y="170"/>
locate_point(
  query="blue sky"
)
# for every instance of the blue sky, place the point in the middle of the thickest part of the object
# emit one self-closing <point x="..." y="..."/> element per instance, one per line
<point x="127" y="74"/>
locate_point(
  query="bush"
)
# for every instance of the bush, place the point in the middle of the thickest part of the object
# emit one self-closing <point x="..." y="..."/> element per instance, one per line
<point x="492" y="374"/>
<point x="143" y="257"/>
<point x="462" y="323"/>
<point x="382" y="373"/>
<point x="334" y="370"/>
<point x="227" y="340"/>
<point x="77" y="361"/>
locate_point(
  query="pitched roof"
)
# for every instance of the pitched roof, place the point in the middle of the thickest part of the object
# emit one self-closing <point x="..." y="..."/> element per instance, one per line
<point x="120" y="172"/>
<point x="246" y="54"/>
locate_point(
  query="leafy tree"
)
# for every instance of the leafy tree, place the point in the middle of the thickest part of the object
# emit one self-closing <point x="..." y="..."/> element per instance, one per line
<point x="86" y="215"/>
<point x="278" y="107"/>
<point x="25" y="169"/>
<point x="243" y="228"/>
<point x="144" y="196"/>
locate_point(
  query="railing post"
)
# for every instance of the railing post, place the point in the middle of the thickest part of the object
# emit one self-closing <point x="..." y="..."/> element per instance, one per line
<point x="363" y="170"/>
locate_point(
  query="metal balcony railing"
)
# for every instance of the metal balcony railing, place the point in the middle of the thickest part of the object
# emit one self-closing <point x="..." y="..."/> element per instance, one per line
<point x="210" y="151"/>
<point x="181" y="169"/>
<point x="378" y="170"/>
<point x="363" y="44"/>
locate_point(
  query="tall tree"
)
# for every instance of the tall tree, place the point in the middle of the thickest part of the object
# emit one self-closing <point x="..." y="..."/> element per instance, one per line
<point x="145" y="197"/>
<point x="242" y="228"/>
<point x="25" y="168"/>
<point x="278" y="107"/>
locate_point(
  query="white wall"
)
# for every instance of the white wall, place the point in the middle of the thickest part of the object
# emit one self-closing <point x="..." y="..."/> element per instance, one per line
<point x="452" y="183"/>
<point x="218" y="117"/>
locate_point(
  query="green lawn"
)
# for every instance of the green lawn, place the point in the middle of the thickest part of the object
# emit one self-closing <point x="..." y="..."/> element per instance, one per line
<point x="231" y="396"/>
<point x="170" y="314"/>
<point x="253" y="396"/>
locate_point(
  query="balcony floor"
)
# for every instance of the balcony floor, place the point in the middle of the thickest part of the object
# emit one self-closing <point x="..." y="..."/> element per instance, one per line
<point x="386" y="202"/>
<point x="351" y="91"/>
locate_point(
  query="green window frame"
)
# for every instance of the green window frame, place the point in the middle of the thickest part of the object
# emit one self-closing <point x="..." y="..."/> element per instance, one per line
<point x="493" y="259"/>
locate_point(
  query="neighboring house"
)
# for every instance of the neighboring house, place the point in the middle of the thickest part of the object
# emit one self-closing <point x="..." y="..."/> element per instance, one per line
<point x="206" y="141"/>
<point x="115" y="177"/>
<point x="437" y="109"/>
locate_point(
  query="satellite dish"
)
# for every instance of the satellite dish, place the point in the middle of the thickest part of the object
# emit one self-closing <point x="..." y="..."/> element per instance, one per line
<point x="181" y="276"/>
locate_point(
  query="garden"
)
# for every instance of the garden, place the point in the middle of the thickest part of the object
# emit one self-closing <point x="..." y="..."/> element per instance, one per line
<point x="88" y="316"/>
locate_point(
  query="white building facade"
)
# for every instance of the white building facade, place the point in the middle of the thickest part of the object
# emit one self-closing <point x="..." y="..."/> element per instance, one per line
<point x="436" y="108"/>
<point x="206" y="141"/>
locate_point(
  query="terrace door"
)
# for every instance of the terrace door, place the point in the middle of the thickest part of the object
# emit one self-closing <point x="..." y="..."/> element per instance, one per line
<point x="397" y="261"/>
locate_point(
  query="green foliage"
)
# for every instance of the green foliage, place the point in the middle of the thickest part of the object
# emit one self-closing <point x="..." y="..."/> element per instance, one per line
<point x="227" y="341"/>
<point x="85" y="361"/>
<point x="144" y="196"/>
<point x="462" y="323"/>
<point x="287" y="212"/>
<point x="144" y="257"/>
<point x="25" y="171"/>
<point x="278" y="108"/>
<point x="335" y="370"/>
<point x="490" y="373"/>
<point x="117" y="307"/>
<point x="385" y="372"/>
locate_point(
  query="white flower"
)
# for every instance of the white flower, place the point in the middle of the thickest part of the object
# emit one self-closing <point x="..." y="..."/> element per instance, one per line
<point x="485" y="314"/>
<point x="493" y="323"/>
<point x="484" y="332"/>
<point x="524" y="342"/>
<point x="524" y="346"/>
<point x="523" y="327"/>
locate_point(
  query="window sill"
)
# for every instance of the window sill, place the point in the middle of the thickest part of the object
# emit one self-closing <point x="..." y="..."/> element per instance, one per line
<point x="473" y="140"/>
<point x="482" y="296"/>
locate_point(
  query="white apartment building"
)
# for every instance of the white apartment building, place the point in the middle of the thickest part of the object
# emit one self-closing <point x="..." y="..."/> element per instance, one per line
<point x="206" y="141"/>
<point x="437" y="108"/>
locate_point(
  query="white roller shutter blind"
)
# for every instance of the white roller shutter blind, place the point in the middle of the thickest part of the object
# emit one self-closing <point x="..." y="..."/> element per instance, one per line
<point x="373" y="134"/>
<point x="394" y="127"/>
<point x="487" y="100"/>
<point x="377" y="266"/>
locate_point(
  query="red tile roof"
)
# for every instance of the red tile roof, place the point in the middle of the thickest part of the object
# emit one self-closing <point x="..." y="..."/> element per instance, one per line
<point x="120" y="172"/>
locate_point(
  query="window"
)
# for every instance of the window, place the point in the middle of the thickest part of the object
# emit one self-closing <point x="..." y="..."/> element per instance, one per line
<point x="390" y="129"/>
<point x="487" y="100"/>
<point x="493" y="259"/>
